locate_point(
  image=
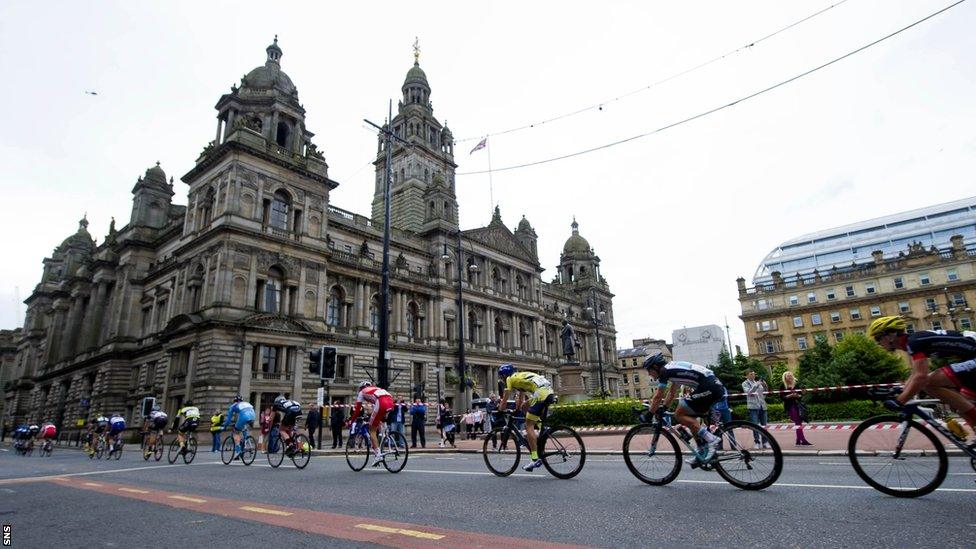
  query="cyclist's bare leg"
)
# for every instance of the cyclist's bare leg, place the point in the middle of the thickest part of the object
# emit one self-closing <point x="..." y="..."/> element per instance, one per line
<point x="372" y="438"/>
<point x="941" y="387"/>
<point x="530" y="434"/>
<point x="685" y="418"/>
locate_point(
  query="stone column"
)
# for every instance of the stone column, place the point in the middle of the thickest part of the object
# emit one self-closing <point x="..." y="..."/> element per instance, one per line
<point x="207" y="286"/>
<point x="252" y="282"/>
<point x="490" y="322"/>
<point x="357" y="315"/>
<point x="296" y="367"/>
<point x="191" y="370"/>
<point x="247" y="359"/>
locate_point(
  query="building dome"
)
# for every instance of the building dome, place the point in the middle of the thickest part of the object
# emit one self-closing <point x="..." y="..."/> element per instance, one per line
<point x="576" y="244"/>
<point x="416" y="75"/>
<point x="81" y="240"/>
<point x="270" y="75"/>
<point x="156" y="176"/>
<point x="524" y="225"/>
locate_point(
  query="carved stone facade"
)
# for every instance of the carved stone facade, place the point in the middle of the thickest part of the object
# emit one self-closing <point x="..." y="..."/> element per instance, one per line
<point x="228" y="294"/>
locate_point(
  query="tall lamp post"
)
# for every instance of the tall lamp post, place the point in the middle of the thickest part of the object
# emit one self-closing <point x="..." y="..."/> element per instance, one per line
<point x="598" y="320"/>
<point x="462" y="366"/>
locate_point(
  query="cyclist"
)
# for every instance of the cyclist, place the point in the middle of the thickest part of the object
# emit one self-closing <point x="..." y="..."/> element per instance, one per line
<point x="244" y="413"/>
<point x="20" y="438"/>
<point x="191" y="419"/>
<point x="47" y="433"/>
<point x="533" y="395"/>
<point x="89" y="437"/>
<point x="382" y="402"/>
<point x="290" y="411"/>
<point x="32" y="430"/>
<point x="705" y="389"/>
<point x="115" y="429"/>
<point x="954" y="384"/>
<point x="156" y="422"/>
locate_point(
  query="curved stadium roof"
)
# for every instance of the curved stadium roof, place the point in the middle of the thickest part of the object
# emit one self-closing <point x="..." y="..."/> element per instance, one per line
<point x="842" y="246"/>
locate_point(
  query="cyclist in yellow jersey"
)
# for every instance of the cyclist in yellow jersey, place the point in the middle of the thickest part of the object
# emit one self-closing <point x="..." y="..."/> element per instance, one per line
<point x="191" y="419"/>
<point x="533" y="394"/>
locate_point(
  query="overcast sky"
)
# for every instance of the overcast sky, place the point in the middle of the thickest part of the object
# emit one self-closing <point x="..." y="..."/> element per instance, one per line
<point x="675" y="217"/>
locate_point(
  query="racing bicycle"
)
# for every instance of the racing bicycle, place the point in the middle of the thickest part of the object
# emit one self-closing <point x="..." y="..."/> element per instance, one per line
<point x="652" y="453"/>
<point x="900" y="455"/>
<point x="228" y="450"/>
<point x="393" y="448"/>
<point x="47" y="448"/>
<point x="297" y="448"/>
<point x="188" y="452"/>
<point x="154" y="450"/>
<point x="116" y="448"/>
<point x="560" y="448"/>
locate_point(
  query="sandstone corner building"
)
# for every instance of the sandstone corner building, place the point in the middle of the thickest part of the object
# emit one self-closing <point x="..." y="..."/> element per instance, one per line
<point x="227" y="294"/>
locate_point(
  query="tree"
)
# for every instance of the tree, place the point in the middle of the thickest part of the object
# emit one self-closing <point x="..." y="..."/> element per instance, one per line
<point x="859" y="360"/>
<point x="816" y="365"/>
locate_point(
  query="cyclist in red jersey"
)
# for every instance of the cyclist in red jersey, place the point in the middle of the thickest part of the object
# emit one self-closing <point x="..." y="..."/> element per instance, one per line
<point x="382" y="402"/>
<point x="954" y="384"/>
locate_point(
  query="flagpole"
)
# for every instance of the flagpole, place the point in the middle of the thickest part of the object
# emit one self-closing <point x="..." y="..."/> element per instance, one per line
<point x="491" y="186"/>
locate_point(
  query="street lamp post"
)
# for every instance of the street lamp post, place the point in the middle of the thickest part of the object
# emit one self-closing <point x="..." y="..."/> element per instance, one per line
<point x="462" y="366"/>
<point x="597" y="321"/>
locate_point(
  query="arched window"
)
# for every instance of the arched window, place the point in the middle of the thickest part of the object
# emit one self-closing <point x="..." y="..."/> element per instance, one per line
<point x="279" y="210"/>
<point x="499" y="332"/>
<point x="472" y="327"/>
<point x="272" y="290"/>
<point x="195" y="288"/>
<point x="413" y="320"/>
<point x="206" y="209"/>
<point x="333" y="310"/>
<point x="496" y="280"/>
<point x="523" y="337"/>
<point x="374" y="313"/>
<point x="281" y="135"/>
<point x="520" y="286"/>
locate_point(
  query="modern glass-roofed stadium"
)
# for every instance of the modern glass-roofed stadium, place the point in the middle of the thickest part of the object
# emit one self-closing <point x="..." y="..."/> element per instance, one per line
<point x="853" y="244"/>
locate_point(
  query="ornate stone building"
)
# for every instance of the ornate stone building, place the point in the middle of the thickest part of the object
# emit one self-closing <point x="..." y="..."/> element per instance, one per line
<point x="228" y="294"/>
<point x="919" y="263"/>
<point x="634" y="381"/>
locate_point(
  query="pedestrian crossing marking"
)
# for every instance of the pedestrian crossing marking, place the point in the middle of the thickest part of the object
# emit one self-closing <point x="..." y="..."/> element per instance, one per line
<point x="188" y="498"/>
<point x="411" y="533"/>
<point x="266" y="511"/>
<point x="133" y="490"/>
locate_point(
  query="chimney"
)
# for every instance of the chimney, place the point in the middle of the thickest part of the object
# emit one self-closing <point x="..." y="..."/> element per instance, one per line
<point x="878" y="256"/>
<point x="958" y="246"/>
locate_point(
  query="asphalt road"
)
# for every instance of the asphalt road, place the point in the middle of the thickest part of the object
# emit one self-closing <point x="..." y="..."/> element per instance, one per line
<point x="454" y="500"/>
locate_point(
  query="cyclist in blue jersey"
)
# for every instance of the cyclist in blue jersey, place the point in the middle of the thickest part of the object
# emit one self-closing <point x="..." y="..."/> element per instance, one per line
<point x="705" y="388"/>
<point x="116" y="426"/>
<point x="245" y="417"/>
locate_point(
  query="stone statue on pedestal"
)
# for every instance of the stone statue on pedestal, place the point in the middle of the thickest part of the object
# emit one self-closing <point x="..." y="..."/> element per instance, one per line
<point x="570" y="341"/>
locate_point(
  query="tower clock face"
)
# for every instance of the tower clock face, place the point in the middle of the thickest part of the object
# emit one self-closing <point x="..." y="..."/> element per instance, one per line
<point x="706" y="334"/>
<point x="682" y="336"/>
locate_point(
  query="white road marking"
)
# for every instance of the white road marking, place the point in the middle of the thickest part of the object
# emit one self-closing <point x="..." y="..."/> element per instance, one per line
<point x="88" y="473"/>
<point x="802" y="485"/>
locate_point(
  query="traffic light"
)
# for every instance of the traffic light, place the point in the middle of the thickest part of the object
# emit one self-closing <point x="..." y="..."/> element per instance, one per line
<point x="322" y="361"/>
<point x="147" y="405"/>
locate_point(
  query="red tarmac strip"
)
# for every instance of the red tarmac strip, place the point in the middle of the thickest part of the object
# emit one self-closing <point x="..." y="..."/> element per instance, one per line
<point x="364" y="529"/>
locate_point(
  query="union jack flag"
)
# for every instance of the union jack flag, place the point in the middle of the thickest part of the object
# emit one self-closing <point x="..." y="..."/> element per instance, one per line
<point x="481" y="144"/>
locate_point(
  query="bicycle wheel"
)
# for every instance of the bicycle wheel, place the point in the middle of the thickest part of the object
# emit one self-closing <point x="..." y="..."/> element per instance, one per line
<point x="395" y="452"/>
<point x="657" y="463"/>
<point x="227" y="450"/>
<point x="917" y="469"/>
<point x="745" y="468"/>
<point x="118" y="450"/>
<point x="158" y="448"/>
<point x="99" y="449"/>
<point x="174" y="451"/>
<point x="303" y="452"/>
<point x="357" y="452"/>
<point x="250" y="450"/>
<point x="275" y="450"/>
<point x="501" y="451"/>
<point x="147" y="451"/>
<point x="191" y="450"/>
<point x="563" y="452"/>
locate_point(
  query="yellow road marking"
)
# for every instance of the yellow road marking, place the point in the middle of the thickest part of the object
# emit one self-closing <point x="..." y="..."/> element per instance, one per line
<point x="188" y="498"/>
<point x="91" y="484"/>
<point x="266" y="511"/>
<point x="133" y="490"/>
<point x="401" y="531"/>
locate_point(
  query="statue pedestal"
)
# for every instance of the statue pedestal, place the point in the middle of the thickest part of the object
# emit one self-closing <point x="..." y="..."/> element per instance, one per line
<point x="571" y="382"/>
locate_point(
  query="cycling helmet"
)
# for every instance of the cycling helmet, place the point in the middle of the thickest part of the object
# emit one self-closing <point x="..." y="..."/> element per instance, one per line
<point x="885" y="324"/>
<point x="116" y="414"/>
<point x="279" y="400"/>
<point x="655" y="361"/>
<point x="364" y="384"/>
<point x="506" y="370"/>
<point x="238" y="398"/>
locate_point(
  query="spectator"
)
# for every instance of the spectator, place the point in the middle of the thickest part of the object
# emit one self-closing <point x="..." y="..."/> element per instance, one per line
<point x="479" y="420"/>
<point x="491" y="411"/>
<point x="312" y="422"/>
<point x="216" y="420"/>
<point x="469" y="420"/>
<point x="755" y="391"/>
<point x="447" y="424"/>
<point x="265" y="423"/>
<point x="418" y="420"/>
<point x="721" y="414"/>
<point x="3" y="432"/>
<point x="397" y="417"/>
<point x="794" y="408"/>
<point x="337" y="420"/>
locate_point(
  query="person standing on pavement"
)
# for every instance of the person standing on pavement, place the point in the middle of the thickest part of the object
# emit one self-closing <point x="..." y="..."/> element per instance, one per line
<point x="793" y="406"/>
<point x="397" y="416"/>
<point x="265" y="423"/>
<point x="418" y="420"/>
<point x="755" y="390"/>
<point x="447" y="424"/>
<point x="312" y="422"/>
<point x="491" y="408"/>
<point x="337" y="418"/>
<point x="216" y="420"/>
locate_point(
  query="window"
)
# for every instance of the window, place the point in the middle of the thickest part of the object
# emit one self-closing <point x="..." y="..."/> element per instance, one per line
<point x="936" y="325"/>
<point x="801" y="343"/>
<point x="637" y="393"/>
<point x="904" y="307"/>
<point x="923" y="279"/>
<point x="910" y="329"/>
<point x="965" y="324"/>
<point x="272" y="291"/>
<point x="766" y="325"/>
<point x="797" y="321"/>
<point x="811" y="297"/>
<point x="952" y="275"/>
<point x="794" y="300"/>
<point x="374" y="314"/>
<point x="333" y="307"/>
<point x="815" y="319"/>
<point x="625" y="379"/>
<point x="636" y="378"/>
<point x="413" y="320"/>
<point x="958" y="299"/>
<point x="146" y="318"/>
<point x="855" y="314"/>
<point x="269" y="360"/>
<point x="899" y="282"/>
<point x="835" y="316"/>
<point x="831" y="295"/>
<point x="278" y="218"/>
<point x="870" y="288"/>
<point x="839" y="336"/>
<point x="768" y="346"/>
<point x="930" y="304"/>
<point x="634" y="362"/>
<point x="850" y="291"/>
<point x="875" y="310"/>
<point x="762" y="304"/>
<point x="347" y="248"/>
<point x="472" y="327"/>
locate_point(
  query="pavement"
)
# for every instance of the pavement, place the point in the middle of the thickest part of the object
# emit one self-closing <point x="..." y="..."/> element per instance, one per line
<point x="450" y="499"/>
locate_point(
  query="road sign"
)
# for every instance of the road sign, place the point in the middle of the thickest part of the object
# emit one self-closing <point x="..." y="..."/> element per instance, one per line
<point x="320" y="397"/>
